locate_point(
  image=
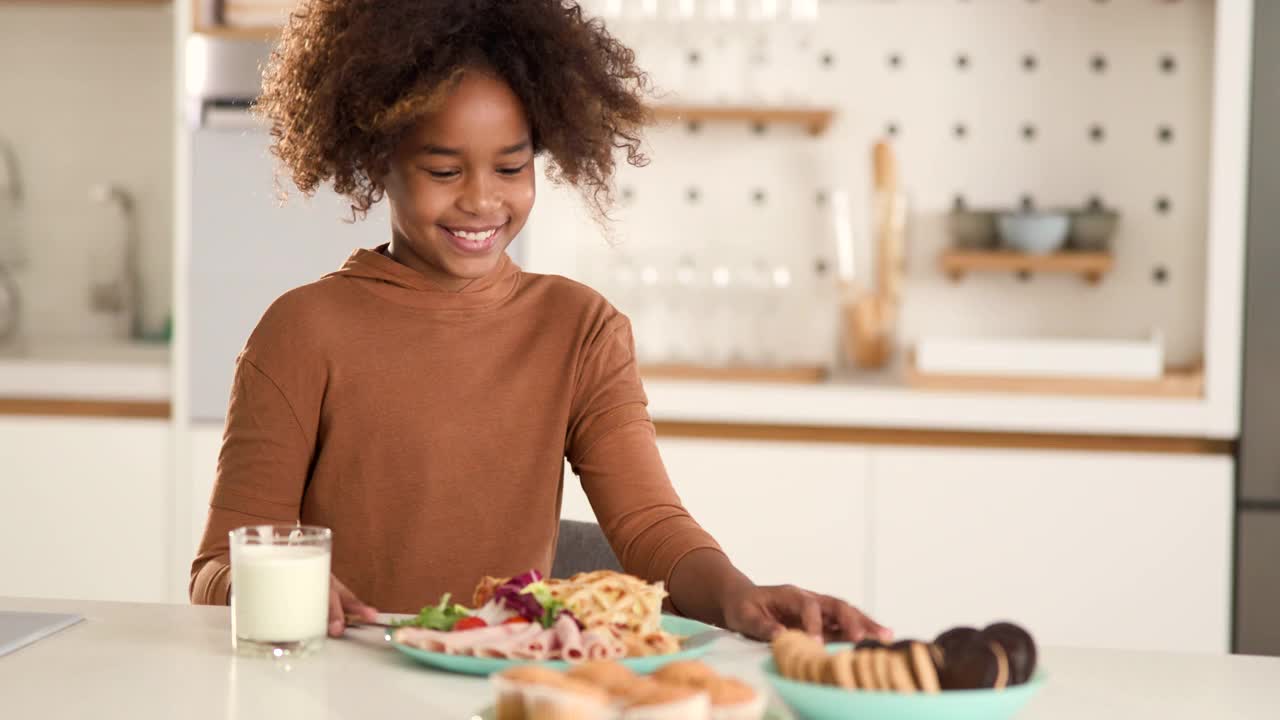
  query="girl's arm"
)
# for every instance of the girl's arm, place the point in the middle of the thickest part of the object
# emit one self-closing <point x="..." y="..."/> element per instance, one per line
<point x="262" y="469"/>
<point x="612" y="446"/>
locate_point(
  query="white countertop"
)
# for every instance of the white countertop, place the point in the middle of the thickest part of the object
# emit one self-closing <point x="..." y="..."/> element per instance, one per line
<point x="85" y="370"/>
<point x="881" y="403"/>
<point x="165" y="661"/>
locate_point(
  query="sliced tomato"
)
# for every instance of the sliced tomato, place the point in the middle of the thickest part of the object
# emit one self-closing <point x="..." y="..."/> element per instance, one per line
<point x="469" y="623"/>
<point x="517" y="620"/>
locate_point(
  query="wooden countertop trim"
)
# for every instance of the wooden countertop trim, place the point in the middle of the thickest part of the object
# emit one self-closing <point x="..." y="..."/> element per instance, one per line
<point x="947" y="438"/>
<point x="732" y="431"/>
<point x="58" y="407"/>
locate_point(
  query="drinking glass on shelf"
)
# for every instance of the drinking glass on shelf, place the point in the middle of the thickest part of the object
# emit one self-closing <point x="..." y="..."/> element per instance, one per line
<point x="279" y="589"/>
<point x="764" y="75"/>
<point x="794" y="42"/>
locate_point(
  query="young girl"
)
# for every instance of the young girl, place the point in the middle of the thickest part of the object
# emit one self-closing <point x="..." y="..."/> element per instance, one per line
<point x="421" y="400"/>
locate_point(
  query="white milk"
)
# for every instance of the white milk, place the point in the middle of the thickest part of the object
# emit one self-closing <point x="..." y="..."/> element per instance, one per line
<point x="279" y="593"/>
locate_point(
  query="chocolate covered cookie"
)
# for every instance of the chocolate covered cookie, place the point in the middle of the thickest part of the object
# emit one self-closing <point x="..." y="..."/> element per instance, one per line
<point x="971" y="662"/>
<point x="1018" y="646"/>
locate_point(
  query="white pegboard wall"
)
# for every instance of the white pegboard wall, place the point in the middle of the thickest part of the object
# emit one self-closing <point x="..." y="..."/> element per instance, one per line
<point x="1055" y="102"/>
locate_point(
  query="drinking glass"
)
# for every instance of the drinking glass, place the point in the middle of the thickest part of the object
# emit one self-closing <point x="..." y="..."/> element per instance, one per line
<point x="279" y="589"/>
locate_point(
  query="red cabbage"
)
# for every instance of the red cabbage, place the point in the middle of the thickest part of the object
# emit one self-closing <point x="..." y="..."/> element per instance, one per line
<point x="525" y="604"/>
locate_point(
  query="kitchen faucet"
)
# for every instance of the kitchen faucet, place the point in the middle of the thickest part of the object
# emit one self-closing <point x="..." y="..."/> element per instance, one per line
<point x="124" y="293"/>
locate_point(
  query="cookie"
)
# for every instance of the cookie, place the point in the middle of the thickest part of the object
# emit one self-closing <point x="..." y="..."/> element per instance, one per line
<point x="815" y="667"/>
<point x="1018" y="645"/>
<point x="1002" y="665"/>
<point x="880" y="665"/>
<point x="924" y="668"/>
<point x="841" y="670"/>
<point x="791" y="649"/>
<point x="954" y="637"/>
<point x="969" y="663"/>
<point x="863" y="671"/>
<point x="898" y="672"/>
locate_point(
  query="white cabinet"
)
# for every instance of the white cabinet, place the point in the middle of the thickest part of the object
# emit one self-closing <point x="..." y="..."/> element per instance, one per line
<point x="1085" y="549"/>
<point x="85" y="508"/>
<point x="784" y="512"/>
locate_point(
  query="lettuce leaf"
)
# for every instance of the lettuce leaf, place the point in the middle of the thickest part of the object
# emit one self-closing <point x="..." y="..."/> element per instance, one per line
<point x="437" y="617"/>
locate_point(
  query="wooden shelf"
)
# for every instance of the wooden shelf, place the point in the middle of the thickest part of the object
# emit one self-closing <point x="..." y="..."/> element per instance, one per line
<point x="672" y="371"/>
<point x="63" y="407"/>
<point x="1089" y="265"/>
<point x="815" y="120"/>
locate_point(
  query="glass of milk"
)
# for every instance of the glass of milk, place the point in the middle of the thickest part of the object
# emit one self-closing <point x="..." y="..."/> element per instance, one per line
<point x="279" y="589"/>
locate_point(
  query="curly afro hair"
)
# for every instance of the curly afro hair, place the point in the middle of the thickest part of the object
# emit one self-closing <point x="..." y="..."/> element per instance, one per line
<point x="350" y="77"/>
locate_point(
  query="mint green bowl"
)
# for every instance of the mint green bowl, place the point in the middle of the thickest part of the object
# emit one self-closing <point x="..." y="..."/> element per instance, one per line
<point x="467" y="665"/>
<point x="821" y="702"/>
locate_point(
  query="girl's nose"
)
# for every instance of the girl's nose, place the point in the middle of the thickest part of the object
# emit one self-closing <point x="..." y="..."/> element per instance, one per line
<point x="479" y="196"/>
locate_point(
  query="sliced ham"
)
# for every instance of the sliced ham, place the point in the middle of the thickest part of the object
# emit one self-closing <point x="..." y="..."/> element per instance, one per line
<point x="617" y="648"/>
<point x="569" y="639"/>
<point x="596" y="645"/>
<point x="506" y="647"/>
<point x="453" y="643"/>
<point x="539" y="647"/>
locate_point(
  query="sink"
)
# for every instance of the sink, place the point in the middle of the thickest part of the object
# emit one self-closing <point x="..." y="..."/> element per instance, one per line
<point x="85" y="369"/>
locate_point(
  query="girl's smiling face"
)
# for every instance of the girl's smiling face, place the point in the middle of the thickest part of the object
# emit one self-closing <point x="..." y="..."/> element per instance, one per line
<point x="461" y="183"/>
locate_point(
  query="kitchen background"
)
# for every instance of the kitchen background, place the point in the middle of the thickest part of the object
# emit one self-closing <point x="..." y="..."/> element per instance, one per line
<point x="896" y="432"/>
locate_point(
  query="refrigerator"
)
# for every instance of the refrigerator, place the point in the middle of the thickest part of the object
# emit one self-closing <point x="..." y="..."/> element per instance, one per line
<point x="1257" y="581"/>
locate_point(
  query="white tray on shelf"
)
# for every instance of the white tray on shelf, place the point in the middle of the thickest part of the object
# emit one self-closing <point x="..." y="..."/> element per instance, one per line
<point x="1042" y="357"/>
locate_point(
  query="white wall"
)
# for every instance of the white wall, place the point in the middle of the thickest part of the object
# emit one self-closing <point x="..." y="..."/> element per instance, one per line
<point x="86" y="97"/>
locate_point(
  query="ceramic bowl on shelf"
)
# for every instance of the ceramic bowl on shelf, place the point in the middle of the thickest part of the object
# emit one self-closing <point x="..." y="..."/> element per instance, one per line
<point x="1091" y="229"/>
<point x="1034" y="232"/>
<point x="972" y="229"/>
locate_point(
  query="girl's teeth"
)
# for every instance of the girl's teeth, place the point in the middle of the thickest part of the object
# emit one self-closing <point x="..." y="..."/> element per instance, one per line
<point x="475" y="237"/>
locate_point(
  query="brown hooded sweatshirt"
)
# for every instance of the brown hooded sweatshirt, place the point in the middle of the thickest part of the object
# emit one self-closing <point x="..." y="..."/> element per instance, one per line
<point x="429" y="429"/>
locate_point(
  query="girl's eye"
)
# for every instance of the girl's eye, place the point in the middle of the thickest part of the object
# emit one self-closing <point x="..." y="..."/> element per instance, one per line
<point x="442" y="174"/>
<point x="513" y="170"/>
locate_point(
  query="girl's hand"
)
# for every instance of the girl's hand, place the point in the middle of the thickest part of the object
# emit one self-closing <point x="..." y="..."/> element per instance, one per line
<point x="761" y="612"/>
<point x="343" y="602"/>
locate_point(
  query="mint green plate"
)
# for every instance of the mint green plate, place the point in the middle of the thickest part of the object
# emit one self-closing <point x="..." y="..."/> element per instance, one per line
<point x="821" y="702"/>
<point x="467" y="665"/>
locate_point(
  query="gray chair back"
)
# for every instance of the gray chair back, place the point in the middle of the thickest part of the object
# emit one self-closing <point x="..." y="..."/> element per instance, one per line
<point x="582" y="548"/>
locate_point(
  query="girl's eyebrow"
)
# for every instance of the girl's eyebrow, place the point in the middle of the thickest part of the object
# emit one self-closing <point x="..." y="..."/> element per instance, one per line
<point x="455" y="152"/>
